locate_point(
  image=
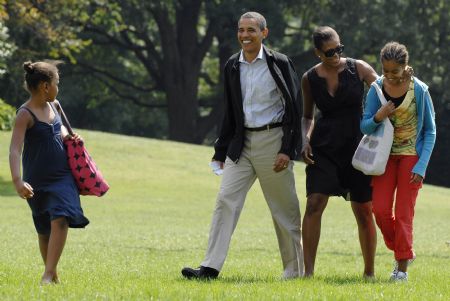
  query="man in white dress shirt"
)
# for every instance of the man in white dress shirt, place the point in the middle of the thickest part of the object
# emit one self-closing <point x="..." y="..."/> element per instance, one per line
<point x="258" y="139"/>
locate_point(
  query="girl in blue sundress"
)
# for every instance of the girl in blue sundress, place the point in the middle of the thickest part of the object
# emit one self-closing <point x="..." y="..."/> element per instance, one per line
<point x="47" y="183"/>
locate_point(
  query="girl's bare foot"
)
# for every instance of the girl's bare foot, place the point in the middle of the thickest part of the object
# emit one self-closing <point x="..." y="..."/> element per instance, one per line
<point x="369" y="277"/>
<point x="49" y="278"/>
<point x="46" y="281"/>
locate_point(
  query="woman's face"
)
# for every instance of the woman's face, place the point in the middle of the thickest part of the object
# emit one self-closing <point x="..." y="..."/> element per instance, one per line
<point x="330" y="52"/>
<point x="393" y="71"/>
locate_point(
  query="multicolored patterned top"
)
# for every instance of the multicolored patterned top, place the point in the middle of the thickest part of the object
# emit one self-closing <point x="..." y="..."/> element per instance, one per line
<point x="404" y="121"/>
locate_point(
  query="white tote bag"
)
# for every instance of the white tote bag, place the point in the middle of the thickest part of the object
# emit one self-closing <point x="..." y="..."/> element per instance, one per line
<point x="373" y="150"/>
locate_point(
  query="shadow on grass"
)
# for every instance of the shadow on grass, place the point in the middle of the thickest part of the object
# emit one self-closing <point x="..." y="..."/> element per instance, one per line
<point x="331" y="280"/>
<point x="349" y="280"/>
<point x="194" y="251"/>
<point x="236" y="279"/>
<point x="389" y="253"/>
<point x="248" y="279"/>
<point x="350" y="254"/>
<point x="6" y="188"/>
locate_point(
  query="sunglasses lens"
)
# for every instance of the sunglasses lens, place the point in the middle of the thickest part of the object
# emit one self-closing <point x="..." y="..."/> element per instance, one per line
<point x="329" y="53"/>
<point x="332" y="52"/>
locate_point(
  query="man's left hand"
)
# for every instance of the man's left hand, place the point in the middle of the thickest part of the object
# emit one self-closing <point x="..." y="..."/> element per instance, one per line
<point x="281" y="162"/>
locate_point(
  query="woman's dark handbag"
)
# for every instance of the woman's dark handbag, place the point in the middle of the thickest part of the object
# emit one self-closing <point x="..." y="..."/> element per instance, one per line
<point x="87" y="176"/>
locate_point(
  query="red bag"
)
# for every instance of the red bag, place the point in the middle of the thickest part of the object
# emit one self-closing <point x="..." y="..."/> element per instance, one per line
<point x="87" y="176"/>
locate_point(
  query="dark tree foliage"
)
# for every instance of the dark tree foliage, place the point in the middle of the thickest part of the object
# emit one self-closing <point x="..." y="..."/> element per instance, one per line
<point x="154" y="68"/>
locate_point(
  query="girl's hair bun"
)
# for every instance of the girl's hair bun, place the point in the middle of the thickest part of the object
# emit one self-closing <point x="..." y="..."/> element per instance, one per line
<point x="39" y="71"/>
<point x="28" y="67"/>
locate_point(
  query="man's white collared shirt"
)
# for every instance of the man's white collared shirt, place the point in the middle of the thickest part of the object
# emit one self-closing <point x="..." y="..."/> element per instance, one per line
<point x="262" y="101"/>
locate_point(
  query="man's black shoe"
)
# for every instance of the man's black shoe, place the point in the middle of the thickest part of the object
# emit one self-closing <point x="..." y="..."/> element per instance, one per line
<point x="200" y="273"/>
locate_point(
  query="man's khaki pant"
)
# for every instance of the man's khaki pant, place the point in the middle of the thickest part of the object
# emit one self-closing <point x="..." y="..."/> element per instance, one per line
<point x="256" y="161"/>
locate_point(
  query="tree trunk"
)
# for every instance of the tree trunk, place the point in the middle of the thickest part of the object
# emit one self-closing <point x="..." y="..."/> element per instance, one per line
<point x="182" y="113"/>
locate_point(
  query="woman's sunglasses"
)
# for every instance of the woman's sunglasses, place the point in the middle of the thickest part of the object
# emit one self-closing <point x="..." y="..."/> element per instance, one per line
<point x="332" y="52"/>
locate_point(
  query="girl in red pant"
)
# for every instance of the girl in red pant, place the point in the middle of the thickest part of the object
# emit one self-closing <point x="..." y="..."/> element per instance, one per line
<point x="411" y="112"/>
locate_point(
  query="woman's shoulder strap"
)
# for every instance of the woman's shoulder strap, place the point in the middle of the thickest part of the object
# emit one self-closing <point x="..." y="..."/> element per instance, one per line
<point x="29" y="111"/>
<point x="311" y="73"/>
<point x="351" y="64"/>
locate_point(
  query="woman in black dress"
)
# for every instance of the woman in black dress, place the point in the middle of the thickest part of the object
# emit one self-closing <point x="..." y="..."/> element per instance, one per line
<point x="336" y="87"/>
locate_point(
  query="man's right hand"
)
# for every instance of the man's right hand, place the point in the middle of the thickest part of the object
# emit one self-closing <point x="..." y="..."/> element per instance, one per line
<point x="217" y="167"/>
<point x="220" y="163"/>
<point x="307" y="154"/>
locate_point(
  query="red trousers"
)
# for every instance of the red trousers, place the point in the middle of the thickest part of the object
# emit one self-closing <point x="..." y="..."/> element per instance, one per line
<point x="396" y="221"/>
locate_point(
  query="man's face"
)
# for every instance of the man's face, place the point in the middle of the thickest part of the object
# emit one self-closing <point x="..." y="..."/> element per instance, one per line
<point x="250" y="36"/>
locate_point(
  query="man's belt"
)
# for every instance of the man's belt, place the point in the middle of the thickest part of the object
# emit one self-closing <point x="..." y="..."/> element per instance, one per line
<point x="265" y="127"/>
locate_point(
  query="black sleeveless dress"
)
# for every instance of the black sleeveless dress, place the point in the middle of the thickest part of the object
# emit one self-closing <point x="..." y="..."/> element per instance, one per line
<point x="46" y="169"/>
<point x="335" y="137"/>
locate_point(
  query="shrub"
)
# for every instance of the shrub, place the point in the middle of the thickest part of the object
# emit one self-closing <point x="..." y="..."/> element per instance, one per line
<point x="7" y="114"/>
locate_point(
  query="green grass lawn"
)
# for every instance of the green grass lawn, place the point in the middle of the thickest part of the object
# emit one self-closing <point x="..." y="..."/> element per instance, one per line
<point x="155" y="220"/>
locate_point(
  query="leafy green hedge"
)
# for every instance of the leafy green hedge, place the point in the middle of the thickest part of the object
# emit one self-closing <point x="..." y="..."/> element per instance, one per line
<point x="7" y="114"/>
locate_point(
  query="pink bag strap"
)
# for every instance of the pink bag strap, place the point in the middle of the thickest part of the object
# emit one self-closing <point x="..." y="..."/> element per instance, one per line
<point x="65" y="121"/>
